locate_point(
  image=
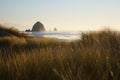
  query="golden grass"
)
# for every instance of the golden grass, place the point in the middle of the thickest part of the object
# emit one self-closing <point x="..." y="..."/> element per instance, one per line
<point x="12" y="31"/>
<point x="95" y="57"/>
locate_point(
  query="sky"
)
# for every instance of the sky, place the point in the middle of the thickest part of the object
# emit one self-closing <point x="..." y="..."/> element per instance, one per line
<point x="65" y="15"/>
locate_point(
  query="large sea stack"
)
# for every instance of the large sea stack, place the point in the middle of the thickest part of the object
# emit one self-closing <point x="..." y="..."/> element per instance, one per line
<point x="38" y="27"/>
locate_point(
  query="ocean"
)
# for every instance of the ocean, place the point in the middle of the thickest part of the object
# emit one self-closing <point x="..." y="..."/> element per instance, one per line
<point x="57" y="35"/>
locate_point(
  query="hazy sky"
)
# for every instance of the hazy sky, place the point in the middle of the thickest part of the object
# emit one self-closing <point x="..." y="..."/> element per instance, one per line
<point x="62" y="14"/>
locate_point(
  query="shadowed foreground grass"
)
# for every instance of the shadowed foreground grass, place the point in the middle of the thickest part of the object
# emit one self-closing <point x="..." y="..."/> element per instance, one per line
<point x="95" y="57"/>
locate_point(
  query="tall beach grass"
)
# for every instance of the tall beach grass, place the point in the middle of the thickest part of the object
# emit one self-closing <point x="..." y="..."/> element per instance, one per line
<point x="96" y="56"/>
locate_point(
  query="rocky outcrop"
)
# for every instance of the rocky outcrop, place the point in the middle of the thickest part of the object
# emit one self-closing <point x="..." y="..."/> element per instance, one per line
<point x="38" y="27"/>
<point x="28" y="30"/>
<point x="55" y="29"/>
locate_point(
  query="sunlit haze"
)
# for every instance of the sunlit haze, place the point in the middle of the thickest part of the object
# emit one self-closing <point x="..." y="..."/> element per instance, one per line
<point x="65" y="15"/>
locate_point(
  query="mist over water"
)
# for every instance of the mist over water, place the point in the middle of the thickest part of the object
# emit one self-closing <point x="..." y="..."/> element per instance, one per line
<point x="57" y="35"/>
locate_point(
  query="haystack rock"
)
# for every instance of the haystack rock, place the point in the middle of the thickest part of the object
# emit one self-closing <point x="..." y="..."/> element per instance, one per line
<point x="38" y="27"/>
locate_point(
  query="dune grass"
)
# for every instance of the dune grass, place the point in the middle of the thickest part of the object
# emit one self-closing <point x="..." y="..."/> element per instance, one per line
<point x="12" y="31"/>
<point x="96" y="56"/>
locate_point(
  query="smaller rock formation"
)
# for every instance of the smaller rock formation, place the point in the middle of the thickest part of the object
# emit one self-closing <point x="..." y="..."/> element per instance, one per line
<point x="55" y="29"/>
<point x="28" y="30"/>
<point x="38" y="27"/>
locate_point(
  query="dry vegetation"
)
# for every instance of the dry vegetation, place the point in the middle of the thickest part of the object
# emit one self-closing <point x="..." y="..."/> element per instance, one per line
<point x="95" y="57"/>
